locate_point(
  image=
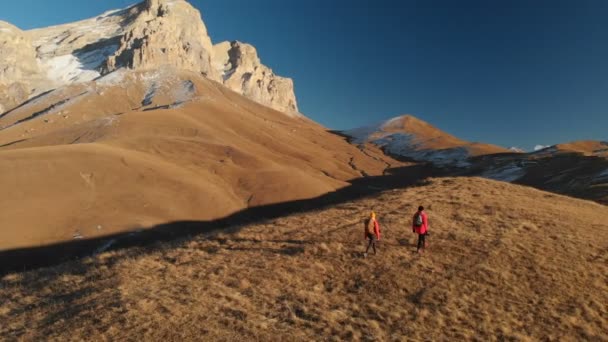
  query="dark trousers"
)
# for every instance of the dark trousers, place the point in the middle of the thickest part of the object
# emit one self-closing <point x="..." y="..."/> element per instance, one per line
<point x="372" y="242"/>
<point x="421" y="240"/>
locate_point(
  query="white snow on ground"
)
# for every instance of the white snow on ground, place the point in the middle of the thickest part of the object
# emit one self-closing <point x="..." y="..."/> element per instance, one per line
<point x="77" y="68"/>
<point x="547" y="151"/>
<point x="151" y="76"/>
<point x="63" y="69"/>
<point x="602" y="175"/>
<point x="93" y="59"/>
<point x="508" y="173"/>
<point x="390" y="122"/>
<point x="167" y="83"/>
<point x="184" y="92"/>
<point x="540" y="147"/>
<point x="362" y="134"/>
<point x="113" y="78"/>
<point x="366" y="134"/>
<point x="150" y="93"/>
<point x="104" y="25"/>
<point x="404" y="145"/>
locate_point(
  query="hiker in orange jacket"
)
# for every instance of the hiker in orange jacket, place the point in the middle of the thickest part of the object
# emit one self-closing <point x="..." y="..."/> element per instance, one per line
<point x="420" y="225"/>
<point x="372" y="232"/>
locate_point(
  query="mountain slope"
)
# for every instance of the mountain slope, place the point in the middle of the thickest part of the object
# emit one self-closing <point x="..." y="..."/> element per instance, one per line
<point x="411" y="138"/>
<point x="577" y="168"/>
<point x="588" y="148"/>
<point x="134" y="118"/>
<point x="139" y="148"/>
<point x="504" y="262"/>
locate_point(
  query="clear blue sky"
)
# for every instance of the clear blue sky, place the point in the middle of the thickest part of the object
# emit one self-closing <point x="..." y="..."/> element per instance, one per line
<point x="513" y="73"/>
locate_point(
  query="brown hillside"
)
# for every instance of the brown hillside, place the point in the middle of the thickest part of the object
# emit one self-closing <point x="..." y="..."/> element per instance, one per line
<point x="137" y="149"/>
<point x="505" y="262"/>
<point x="586" y="147"/>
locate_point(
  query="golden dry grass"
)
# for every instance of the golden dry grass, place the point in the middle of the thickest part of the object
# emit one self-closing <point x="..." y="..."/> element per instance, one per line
<point x="505" y="262"/>
<point x="586" y="147"/>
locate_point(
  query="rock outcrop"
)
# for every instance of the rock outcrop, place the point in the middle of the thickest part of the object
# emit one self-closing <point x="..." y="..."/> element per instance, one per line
<point x="165" y="32"/>
<point x="242" y="71"/>
<point x="150" y="35"/>
<point x="16" y="53"/>
<point x="18" y="64"/>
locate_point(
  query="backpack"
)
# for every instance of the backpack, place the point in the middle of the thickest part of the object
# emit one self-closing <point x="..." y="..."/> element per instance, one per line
<point x="369" y="226"/>
<point x="418" y="220"/>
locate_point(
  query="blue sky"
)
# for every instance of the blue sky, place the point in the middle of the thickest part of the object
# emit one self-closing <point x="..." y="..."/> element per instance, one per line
<point x="512" y="73"/>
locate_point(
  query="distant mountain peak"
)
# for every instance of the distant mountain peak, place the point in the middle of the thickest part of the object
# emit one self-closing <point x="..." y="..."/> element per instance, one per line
<point x="149" y="35"/>
<point x="516" y="149"/>
<point x="407" y="136"/>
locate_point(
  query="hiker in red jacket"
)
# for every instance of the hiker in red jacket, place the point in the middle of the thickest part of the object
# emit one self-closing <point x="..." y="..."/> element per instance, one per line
<point x="420" y="225"/>
<point x="372" y="232"/>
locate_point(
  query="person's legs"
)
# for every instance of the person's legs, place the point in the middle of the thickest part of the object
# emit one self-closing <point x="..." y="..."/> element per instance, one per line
<point x="420" y="242"/>
<point x="372" y="243"/>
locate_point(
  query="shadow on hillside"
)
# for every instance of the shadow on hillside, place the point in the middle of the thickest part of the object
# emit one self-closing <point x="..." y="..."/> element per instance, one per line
<point x="17" y="260"/>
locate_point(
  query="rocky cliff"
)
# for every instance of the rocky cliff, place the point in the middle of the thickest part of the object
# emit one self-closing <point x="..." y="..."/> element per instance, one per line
<point x="149" y="35"/>
<point x="17" y="65"/>
<point x="242" y="71"/>
<point x="165" y="32"/>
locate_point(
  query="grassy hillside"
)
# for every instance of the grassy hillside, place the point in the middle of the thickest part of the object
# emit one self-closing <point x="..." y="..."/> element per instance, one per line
<point x="95" y="159"/>
<point x="505" y="262"/>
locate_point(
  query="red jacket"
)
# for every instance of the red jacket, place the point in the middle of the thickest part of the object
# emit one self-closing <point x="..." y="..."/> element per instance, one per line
<point x="376" y="229"/>
<point x="425" y="223"/>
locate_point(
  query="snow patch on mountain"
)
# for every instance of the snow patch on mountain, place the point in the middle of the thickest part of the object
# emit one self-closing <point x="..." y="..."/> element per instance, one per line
<point x="184" y="92"/>
<point x="113" y="78"/>
<point x="406" y="145"/>
<point x="602" y="175"/>
<point x="150" y="93"/>
<point x="507" y="173"/>
<point x="546" y="151"/>
<point x="541" y="147"/>
<point x="362" y="135"/>
<point x="79" y="67"/>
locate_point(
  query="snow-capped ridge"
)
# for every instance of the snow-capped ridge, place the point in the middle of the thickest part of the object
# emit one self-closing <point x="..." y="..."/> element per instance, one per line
<point x="409" y="137"/>
<point x="152" y="34"/>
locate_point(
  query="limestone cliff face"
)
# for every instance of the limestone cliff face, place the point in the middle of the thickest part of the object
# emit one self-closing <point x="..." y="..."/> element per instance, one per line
<point x="18" y="63"/>
<point x="149" y="35"/>
<point x="242" y="71"/>
<point x="16" y="53"/>
<point x="165" y="32"/>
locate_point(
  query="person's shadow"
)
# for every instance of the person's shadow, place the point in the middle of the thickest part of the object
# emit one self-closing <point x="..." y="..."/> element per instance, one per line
<point x="404" y="242"/>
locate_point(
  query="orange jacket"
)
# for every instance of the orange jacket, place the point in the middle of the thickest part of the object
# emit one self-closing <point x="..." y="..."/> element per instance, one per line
<point x="376" y="228"/>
